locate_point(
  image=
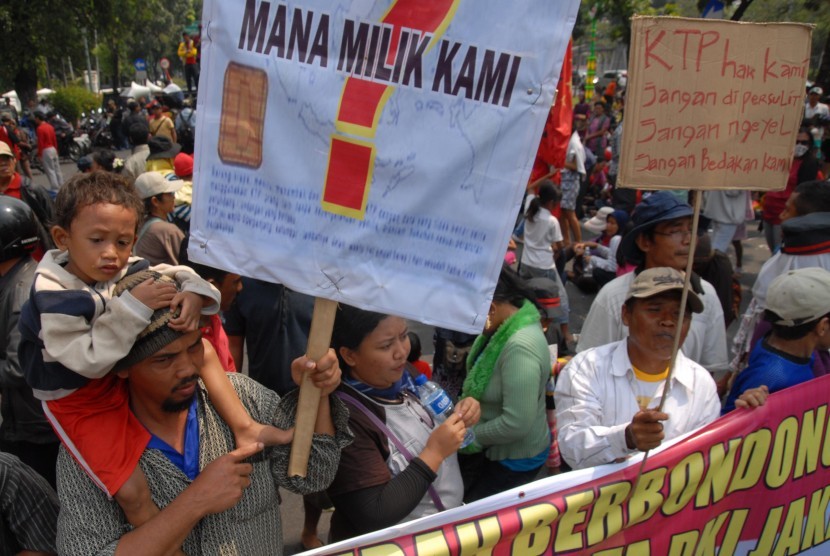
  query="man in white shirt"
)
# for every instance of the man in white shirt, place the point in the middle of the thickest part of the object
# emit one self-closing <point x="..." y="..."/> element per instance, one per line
<point x="661" y="236"/>
<point x="813" y="107"/>
<point x="605" y="397"/>
<point x="572" y="175"/>
<point x="137" y="161"/>
<point x="815" y="112"/>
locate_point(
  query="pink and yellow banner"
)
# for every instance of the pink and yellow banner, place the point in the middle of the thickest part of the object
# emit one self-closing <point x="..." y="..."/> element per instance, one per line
<point x="753" y="482"/>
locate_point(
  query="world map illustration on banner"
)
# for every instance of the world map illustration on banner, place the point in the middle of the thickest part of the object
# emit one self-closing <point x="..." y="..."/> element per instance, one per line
<point x="374" y="153"/>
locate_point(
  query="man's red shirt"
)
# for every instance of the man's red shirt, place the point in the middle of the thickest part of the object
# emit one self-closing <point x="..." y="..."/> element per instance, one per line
<point x="13" y="190"/>
<point x="4" y="136"/>
<point x="46" y="138"/>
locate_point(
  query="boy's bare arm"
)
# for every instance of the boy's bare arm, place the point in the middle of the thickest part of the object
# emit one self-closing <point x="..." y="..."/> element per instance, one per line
<point x="192" y="282"/>
<point x="224" y="398"/>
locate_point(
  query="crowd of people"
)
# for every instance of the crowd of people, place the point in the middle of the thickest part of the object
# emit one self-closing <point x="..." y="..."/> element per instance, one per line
<point x="123" y="408"/>
<point x="616" y="370"/>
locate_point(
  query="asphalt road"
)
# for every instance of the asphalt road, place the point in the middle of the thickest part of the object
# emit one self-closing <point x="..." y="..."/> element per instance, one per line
<point x="755" y="254"/>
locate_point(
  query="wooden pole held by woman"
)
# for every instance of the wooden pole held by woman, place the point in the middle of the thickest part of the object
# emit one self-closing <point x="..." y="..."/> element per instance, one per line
<point x="319" y="340"/>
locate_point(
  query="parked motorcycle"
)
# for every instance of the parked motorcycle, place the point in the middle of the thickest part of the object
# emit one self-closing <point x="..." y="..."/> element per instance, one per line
<point x="97" y="127"/>
<point x="81" y="145"/>
<point x="72" y="143"/>
<point x="74" y="146"/>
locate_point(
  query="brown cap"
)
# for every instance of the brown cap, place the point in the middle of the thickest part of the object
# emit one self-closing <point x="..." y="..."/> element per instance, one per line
<point x="654" y="281"/>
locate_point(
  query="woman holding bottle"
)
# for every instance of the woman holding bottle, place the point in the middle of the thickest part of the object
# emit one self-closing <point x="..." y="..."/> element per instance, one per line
<point x="402" y="465"/>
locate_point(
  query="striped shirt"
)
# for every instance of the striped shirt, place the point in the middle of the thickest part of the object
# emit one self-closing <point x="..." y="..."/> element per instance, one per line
<point x="92" y="524"/>
<point x="28" y="508"/>
<point x="73" y="332"/>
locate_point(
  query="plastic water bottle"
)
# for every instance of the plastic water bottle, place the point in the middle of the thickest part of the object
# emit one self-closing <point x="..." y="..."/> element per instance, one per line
<point x="439" y="404"/>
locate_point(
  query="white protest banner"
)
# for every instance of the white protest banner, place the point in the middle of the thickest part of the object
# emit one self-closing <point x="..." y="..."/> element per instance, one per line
<point x="374" y="153"/>
<point x="712" y="104"/>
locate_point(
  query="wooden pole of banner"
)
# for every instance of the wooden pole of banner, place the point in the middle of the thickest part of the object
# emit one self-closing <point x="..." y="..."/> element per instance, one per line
<point x="698" y="196"/>
<point x="319" y="340"/>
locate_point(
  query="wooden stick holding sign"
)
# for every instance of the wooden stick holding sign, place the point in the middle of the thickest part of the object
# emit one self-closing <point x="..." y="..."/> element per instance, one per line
<point x="319" y="340"/>
<point x="687" y="283"/>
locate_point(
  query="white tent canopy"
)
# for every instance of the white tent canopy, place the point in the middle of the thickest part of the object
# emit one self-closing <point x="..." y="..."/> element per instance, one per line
<point x="15" y="100"/>
<point x="174" y="91"/>
<point x="136" y="90"/>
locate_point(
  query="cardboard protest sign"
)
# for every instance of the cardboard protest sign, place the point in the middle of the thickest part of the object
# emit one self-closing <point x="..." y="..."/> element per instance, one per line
<point x="712" y="104"/>
<point x="374" y="153"/>
<point x="753" y="482"/>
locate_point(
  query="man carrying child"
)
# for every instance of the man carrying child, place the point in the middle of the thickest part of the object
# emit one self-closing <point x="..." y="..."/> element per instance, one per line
<point x="215" y="498"/>
<point x="74" y="331"/>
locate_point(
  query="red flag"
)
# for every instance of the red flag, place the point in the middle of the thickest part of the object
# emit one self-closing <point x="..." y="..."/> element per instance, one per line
<point x="558" y="128"/>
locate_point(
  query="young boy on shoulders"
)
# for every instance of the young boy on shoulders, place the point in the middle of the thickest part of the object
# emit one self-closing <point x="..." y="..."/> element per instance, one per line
<point x="74" y="331"/>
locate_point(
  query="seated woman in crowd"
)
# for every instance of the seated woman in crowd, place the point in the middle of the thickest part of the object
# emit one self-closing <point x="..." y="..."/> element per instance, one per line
<point x="401" y="465"/>
<point x="507" y="371"/>
<point x="595" y="261"/>
<point x="159" y="241"/>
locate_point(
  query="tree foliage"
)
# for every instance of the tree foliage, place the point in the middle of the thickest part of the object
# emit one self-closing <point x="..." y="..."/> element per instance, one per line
<point x="131" y="29"/>
<point x="615" y="19"/>
<point x="618" y="14"/>
<point x="31" y="33"/>
<point x="37" y="34"/>
<point x="71" y="101"/>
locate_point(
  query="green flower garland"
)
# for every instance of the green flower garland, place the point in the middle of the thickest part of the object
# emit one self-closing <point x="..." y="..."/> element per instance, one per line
<point x="478" y="377"/>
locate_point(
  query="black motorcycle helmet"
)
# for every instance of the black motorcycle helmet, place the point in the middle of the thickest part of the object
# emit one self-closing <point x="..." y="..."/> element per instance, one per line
<point x="18" y="228"/>
<point x="85" y="163"/>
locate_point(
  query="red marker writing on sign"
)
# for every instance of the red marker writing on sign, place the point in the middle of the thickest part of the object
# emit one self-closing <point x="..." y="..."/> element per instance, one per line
<point x="352" y="152"/>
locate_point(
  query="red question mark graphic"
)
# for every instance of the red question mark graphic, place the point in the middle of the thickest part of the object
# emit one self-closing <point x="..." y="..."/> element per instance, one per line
<point x="352" y="160"/>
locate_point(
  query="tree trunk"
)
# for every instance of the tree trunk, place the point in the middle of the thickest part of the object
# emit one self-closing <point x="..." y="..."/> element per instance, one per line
<point x="823" y="74"/>
<point x="623" y="11"/>
<point x="25" y="83"/>
<point x="116" y="80"/>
